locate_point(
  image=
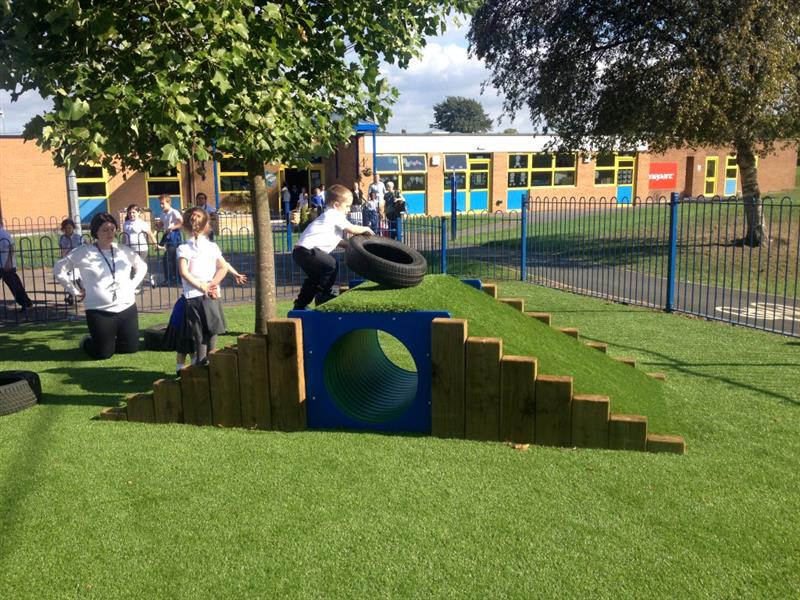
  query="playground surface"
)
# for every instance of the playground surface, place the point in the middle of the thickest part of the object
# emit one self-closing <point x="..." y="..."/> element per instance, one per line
<point x="125" y="510"/>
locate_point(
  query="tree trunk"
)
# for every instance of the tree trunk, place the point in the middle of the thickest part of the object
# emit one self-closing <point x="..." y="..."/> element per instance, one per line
<point x="266" y="302"/>
<point x="751" y="195"/>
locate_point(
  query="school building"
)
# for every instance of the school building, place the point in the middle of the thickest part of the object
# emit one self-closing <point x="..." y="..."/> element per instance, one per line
<point x="492" y="172"/>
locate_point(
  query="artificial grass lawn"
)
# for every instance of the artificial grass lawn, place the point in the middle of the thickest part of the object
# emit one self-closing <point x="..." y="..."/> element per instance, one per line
<point x="124" y="510"/>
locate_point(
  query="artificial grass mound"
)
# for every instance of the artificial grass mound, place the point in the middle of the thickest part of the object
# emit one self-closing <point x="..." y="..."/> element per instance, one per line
<point x="630" y="390"/>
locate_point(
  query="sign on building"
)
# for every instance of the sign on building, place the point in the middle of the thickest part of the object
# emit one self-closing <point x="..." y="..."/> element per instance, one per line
<point x="663" y="176"/>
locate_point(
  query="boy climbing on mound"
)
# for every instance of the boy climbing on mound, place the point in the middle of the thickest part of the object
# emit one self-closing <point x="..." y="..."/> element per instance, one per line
<point x="323" y="235"/>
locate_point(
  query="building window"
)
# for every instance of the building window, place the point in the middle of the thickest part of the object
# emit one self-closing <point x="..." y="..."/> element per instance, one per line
<point x="542" y="169"/>
<point x="455" y="162"/>
<point x="233" y="178"/>
<point x="406" y="171"/>
<point x="413" y="163"/>
<point x="164" y="181"/>
<point x="518" y="179"/>
<point x="91" y="181"/>
<point x="413" y="183"/>
<point x="387" y="163"/>
<point x="605" y="172"/>
<point x="460" y="177"/>
<point x="614" y="168"/>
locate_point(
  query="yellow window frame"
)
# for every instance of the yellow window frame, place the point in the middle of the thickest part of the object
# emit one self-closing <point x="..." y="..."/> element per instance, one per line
<point x="465" y="170"/>
<point x="414" y="171"/>
<point x="481" y="162"/>
<point x="710" y="179"/>
<point x="423" y="172"/>
<point x="619" y="159"/>
<point x="735" y="165"/>
<point x="177" y="177"/>
<point x="221" y="174"/>
<point x="103" y="179"/>
<point x="552" y="169"/>
<point x="526" y="170"/>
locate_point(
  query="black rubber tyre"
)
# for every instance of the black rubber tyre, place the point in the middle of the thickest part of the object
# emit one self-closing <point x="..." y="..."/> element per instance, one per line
<point x="18" y="390"/>
<point x="385" y="261"/>
<point x="154" y="337"/>
<point x="29" y="376"/>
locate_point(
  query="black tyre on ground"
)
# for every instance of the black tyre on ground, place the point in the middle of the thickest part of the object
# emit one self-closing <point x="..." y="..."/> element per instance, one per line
<point x="18" y="390"/>
<point x="385" y="261"/>
<point x="154" y="337"/>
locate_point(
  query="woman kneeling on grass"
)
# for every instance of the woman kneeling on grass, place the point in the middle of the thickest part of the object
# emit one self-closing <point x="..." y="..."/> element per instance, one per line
<point x="110" y="274"/>
<point x="202" y="268"/>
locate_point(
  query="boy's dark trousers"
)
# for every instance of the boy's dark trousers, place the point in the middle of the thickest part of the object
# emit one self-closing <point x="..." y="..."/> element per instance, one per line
<point x="321" y="270"/>
<point x="14" y="283"/>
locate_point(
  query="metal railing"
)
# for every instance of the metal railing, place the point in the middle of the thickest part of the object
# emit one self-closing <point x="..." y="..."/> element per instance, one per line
<point x="681" y="255"/>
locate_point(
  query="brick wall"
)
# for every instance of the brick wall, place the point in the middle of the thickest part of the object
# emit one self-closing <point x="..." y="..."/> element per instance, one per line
<point x="30" y="185"/>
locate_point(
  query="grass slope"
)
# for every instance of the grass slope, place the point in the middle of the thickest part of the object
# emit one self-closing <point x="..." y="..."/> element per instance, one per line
<point x="90" y="509"/>
<point x="630" y="390"/>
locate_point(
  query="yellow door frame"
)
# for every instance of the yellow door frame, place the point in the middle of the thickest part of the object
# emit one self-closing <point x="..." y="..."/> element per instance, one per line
<point x="474" y="162"/>
<point x="713" y="178"/>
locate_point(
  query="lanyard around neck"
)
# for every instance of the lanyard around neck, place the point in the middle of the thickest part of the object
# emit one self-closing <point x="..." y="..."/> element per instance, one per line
<point x="112" y="266"/>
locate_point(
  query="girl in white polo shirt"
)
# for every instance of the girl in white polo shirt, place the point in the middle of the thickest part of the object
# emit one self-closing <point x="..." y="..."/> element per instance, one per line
<point x="202" y="268"/>
<point x="323" y="235"/>
<point x="138" y="234"/>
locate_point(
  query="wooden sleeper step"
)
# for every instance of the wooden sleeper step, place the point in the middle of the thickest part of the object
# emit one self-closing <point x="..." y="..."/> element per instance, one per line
<point x="599" y="346"/>
<point x="544" y="317"/>
<point x="490" y="288"/>
<point x="673" y="444"/>
<point x="517" y="303"/>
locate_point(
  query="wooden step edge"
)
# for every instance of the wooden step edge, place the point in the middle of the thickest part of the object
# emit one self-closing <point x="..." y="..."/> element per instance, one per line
<point x="673" y="444"/>
<point x="599" y="346"/>
<point x="544" y="317"/>
<point x="570" y="331"/>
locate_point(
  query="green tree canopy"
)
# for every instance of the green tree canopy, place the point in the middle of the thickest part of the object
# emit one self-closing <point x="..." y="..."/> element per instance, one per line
<point x="673" y="73"/>
<point x="460" y="115"/>
<point x="146" y="82"/>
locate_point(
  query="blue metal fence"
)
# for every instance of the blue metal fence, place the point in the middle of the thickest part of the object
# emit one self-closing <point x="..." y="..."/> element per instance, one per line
<point x="683" y="255"/>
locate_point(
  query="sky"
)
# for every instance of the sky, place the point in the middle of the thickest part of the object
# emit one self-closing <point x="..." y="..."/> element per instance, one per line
<point x="444" y="69"/>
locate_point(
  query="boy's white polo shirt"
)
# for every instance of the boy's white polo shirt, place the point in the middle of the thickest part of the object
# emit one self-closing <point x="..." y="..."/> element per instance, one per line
<point x="325" y="232"/>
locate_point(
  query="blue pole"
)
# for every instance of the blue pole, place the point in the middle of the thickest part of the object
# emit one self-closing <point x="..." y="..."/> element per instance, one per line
<point x="673" y="250"/>
<point x="443" y="245"/>
<point x="400" y="228"/>
<point x="374" y="154"/>
<point x="523" y="255"/>
<point x="453" y="206"/>
<point x="289" y="244"/>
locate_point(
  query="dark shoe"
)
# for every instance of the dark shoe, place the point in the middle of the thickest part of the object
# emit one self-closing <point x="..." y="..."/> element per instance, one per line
<point x="69" y="300"/>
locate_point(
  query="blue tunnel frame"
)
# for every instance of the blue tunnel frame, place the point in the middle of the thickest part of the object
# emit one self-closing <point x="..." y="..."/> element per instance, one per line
<point x="321" y="330"/>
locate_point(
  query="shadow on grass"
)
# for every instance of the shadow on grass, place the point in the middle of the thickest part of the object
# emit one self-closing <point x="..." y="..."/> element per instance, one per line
<point x="693" y="370"/>
<point x="101" y="389"/>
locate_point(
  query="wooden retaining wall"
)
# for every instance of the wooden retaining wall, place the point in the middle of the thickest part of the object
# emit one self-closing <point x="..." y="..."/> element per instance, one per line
<point x="257" y="384"/>
<point x="477" y="393"/>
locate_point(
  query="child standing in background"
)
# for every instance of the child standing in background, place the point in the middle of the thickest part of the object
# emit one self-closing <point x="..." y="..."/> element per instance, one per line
<point x="138" y="235"/>
<point x="202" y="268"/>
<point x="69" y="240"/>
<point x="171" y="223"/>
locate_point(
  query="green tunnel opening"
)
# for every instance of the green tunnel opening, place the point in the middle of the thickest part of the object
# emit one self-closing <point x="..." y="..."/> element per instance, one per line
<point x="365" y="383"/>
